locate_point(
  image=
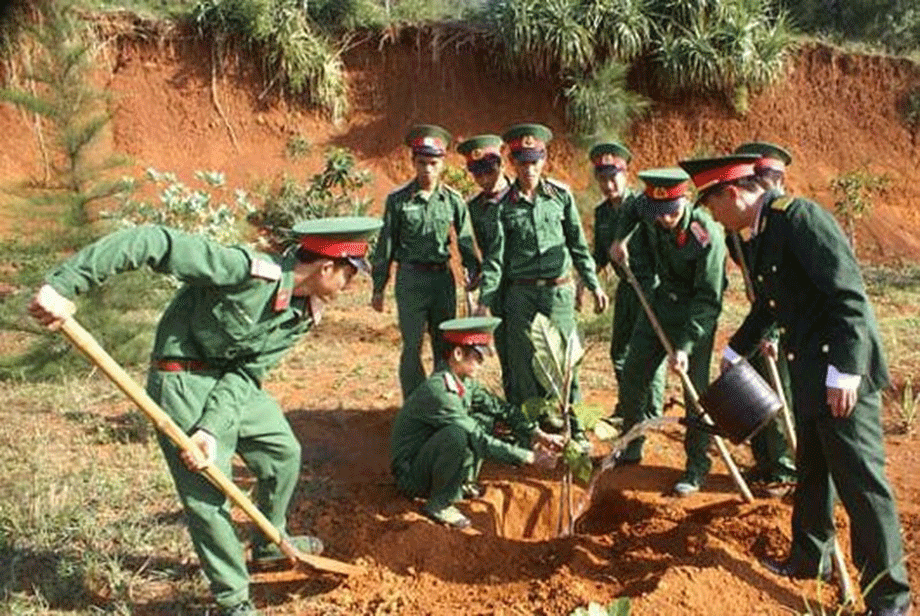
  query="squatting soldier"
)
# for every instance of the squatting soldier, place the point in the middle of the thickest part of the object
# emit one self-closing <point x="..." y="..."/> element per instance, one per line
<point x="539" y="236"/>
<point x="416" y="233"/>
<point x="237" y="313"/>
<point x="445" y="428"/>
<point x="774" y="461"/>
<point x="483" y="155"/>
<point x="688" y="248"/>
<point x="610" y="162"/>
<point x="807" y="282"/>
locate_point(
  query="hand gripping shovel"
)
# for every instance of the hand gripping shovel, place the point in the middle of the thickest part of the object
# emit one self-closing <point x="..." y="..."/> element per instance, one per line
<point x="690" y="389"/>
<point x="843" y="578"/>
<point x="88" y="345"/>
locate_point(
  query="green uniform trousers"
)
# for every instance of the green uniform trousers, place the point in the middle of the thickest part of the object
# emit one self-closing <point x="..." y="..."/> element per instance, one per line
<point x="263" y="438"/>
<point x="443" y="464"/>
<point x="774" y="459"/>
<point x="846" y="456"/>
<point x="644" y="360"/>
<point x="627" y="310"/>
<point x="424" y="299"/>
<point x="522" y="303"/>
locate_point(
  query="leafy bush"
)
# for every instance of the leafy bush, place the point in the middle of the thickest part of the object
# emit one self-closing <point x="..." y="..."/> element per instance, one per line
<point x="854" y="190"/>
<point x="600" y="105"/>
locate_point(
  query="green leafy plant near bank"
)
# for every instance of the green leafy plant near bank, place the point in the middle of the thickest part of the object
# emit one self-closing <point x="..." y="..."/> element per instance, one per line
<point x="854" y="192"/>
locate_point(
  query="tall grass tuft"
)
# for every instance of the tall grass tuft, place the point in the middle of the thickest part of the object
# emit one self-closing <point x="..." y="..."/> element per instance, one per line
<point x="600" y="104"/>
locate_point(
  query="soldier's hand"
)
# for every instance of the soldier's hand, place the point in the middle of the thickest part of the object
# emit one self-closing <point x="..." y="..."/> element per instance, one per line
<point x="473" y="283"/>
<point x="841" y="401"/>
<point x="579" y="289"/>
<point x="377" y="302"/>
<point x="601" y="301"/>
<point x="769" y="348"/>
<point x="544" y="458"/>
<point x="50" y="308"/>
<point x="619" y="253"/>
<point x="482" y="311"/>
<point x="679" y="361"/>
<point x="203" y="455"/>
<point x="552" y="442"/>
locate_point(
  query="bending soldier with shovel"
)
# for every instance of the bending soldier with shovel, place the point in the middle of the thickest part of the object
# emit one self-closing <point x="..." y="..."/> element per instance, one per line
<point x="237" y="313"/>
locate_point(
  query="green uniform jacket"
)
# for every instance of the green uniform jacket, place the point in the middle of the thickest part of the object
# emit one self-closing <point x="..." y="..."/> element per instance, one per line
<point x="539" y="239"/>
<point x="481" y="209"/>
<point x="416" y="229"/>
<point x="813" y="291"/>
<point x="234" y="311"/>
<point x="443" y="401"/>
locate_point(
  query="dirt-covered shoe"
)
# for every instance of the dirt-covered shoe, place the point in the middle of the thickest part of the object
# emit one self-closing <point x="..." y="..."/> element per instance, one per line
<point x="472" y="490"/>
<point x="449" y="516"/>
<point x="685" y="487"/>
<point x="269" y="554"/>
<point x="243" y="608"/>
<point x="776" y="489"/>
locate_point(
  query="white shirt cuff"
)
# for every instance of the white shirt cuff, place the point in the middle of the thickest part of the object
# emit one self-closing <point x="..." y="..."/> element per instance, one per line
<point x="840" y="380"/>
<point x="729" y="355"/>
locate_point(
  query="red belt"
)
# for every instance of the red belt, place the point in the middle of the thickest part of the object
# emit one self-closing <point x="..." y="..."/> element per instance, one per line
<point x="181" y="365"/>
<point x="541" y="282"/>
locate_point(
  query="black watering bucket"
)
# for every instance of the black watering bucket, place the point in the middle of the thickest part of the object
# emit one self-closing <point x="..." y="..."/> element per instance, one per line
<point x="740" y="402"/>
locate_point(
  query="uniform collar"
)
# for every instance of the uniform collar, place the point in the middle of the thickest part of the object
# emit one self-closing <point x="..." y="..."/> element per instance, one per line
<point x="453" y="384"/>
<point x="761" y="205"/>
<point x="498" y="195"/>
<point x="417" y="192"/>
<point x="516" y="192"/>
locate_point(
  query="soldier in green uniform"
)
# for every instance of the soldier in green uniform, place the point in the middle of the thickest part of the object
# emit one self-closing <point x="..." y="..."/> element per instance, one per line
<point x="445" y="428"/>
<point x="688" y="249"/>
<point x="417" y="220"/>
<point x="538" y="238"/>
<point x="236" y="314"/>
<point x="808" y="283"/>
<point x="774" y="461"/>
<point x="610" y="164"/>
<point x="483" y="154"/>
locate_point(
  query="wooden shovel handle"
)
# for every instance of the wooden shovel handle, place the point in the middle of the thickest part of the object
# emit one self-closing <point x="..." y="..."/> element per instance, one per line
<point x="164" y="423"/>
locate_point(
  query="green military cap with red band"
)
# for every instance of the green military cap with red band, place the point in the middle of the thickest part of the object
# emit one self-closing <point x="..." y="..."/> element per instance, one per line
<point x="772" y="156"/>
<point x="481" y="152"/>
<point x="665" y="188"/>
<point x="428" y="140"/>
<point x="527" y="142"/>
<point x="610" y="158"/>
<point x="710" y="172"/>
<point x="470" y="331"/>
<point x="343" y="237"/>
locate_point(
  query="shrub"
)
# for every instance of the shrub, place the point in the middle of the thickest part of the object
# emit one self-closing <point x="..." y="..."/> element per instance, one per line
<point x="600" y="105"/>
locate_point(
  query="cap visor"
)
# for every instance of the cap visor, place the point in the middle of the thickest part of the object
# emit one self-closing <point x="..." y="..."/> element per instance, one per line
<point x="608" y="170"/>
<point x="427" y="150"/>
<point x="529" y="155"/>
<point x="360" y="264"/>
<point x="483" y="165"/>
<point x="483" y="349"/>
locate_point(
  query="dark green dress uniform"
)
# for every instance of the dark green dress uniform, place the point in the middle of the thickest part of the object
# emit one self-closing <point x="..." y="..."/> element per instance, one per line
<point x="808" y="282"/>
<point x="416" y="234"/>
<point x="444" y="431"/>
<point x="690" y="265"/>
<point x="537" y="241"/>
<point x="230" y="322"/>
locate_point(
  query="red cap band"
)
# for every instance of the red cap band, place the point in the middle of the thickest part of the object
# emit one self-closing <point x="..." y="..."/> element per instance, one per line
<point x="660" y="193"/>
<point x="727" y="173"/>
<point x="526" y="142"/>
<point x="427" y="142"/>
<point x="774" y="164"/>
<point x="480" y="153"/>
<point x="609" y="160"/>
<point x="335" y="249"/>
<point x="468" y="338"/>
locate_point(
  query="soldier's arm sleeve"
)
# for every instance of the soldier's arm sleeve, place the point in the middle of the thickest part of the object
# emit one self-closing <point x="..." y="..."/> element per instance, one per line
<point x="600" y="243"/>
<point x="488" y="404"/>
<point x="708" y="285"/>
<point x="826" y="256"/>
<point x="628" y="221"/>
<point x="465" y="242"/>
<point x="385" y="246"/>
<point x="493" y="255"/>
<point x="451" y="412"/>
<point x="577" y="244"/>
<point x="191" y="258"/>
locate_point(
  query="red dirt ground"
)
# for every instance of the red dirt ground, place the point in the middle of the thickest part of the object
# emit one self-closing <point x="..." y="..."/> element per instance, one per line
<point x="696" y="556"/>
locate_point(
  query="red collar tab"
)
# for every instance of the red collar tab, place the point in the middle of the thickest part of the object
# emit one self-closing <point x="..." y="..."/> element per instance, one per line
<point x="772" y="164"/>
<point x="725" y="173"/>
<point x="480" y="153"/>
<point x="526" y="142"/>
<point x="662" y="193"/>
<point x="468" y="338"/>
<point x="333" y="248"/>
<point x="610" y="160"/>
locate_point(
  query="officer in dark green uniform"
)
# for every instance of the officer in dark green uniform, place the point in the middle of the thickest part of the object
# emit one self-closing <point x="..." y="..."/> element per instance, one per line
<point x="807" y="282"/>
<point x="416" y="233"/>
<point x="483" y="154"/>
<point x="237" y="313"/>
<point x="774" y="461"/>
<point x="620" y="202"/>
<point x="445" y="428"/>
<point x="539" y="236"/>
<point x="688" y="248"/>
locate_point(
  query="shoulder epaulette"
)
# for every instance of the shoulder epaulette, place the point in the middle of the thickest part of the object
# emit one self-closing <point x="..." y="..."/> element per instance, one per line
<point x="558" y="185"/>
<point x="451" y="190"/>
<point x="701" y="234"/>
<point x="402" y="188"/>
<point x="265" y="269"/>
<point x="781" y="203"/>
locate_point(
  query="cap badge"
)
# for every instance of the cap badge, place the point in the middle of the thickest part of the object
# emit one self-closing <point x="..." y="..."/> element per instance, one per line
<point x="528" y="141"/>
<point x="660" y="193"/>
<point x="607" y="159"/>
<point x="477" y="154"/>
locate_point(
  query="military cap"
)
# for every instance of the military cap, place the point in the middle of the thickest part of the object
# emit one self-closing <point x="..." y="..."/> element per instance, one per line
<point x="481" y="152"/>
<point x="665" y="189"/>
<point x="527" y="142"/>
<point x="709" y="172"/>
<point x="344" y="237"/>
<point x="470" y="331"/>
<point x="428" y="140"/>
<point x="610" y="158"/>
<point x="772" y="156"/>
